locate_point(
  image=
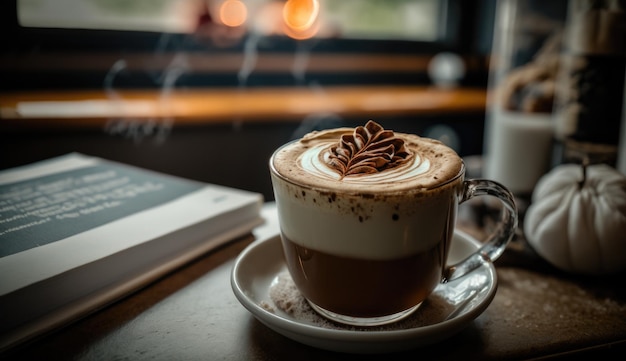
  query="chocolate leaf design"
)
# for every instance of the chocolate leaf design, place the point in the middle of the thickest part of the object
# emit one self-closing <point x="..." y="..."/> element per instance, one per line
<point x="369" y="149"/>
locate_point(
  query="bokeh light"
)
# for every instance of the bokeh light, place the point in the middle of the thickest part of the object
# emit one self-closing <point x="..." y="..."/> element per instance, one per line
<point x="301" y="18"/>
<point x="233" y="13"/>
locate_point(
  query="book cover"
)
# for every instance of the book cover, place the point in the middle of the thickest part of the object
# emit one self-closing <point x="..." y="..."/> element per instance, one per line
<point x="78" y="232"/>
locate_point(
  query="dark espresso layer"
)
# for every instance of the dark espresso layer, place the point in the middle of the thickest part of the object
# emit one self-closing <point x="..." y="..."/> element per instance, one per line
<point x="365" y="288"/>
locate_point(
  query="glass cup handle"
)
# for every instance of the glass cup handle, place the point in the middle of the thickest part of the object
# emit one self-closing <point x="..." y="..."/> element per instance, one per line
<point x="496" y="243"/>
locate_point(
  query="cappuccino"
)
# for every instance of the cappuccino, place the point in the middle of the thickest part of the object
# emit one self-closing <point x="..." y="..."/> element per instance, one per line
<point x="366" y="217"/>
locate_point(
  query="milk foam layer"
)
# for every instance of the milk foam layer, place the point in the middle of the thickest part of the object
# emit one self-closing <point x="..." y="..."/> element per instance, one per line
<point x="305" y="162"/>
<point x="386" y="215"/>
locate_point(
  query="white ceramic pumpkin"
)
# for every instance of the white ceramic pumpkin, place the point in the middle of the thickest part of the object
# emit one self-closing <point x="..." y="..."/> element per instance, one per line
<point x="579" y="226"/>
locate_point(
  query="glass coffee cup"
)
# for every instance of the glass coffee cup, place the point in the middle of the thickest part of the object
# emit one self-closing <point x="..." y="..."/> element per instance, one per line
<point x="367" y="216"/>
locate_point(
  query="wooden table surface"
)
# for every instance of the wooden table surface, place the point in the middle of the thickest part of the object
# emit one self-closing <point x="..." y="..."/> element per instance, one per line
<point x="192" y="314"/>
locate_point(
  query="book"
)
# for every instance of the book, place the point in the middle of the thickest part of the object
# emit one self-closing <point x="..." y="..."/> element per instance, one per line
<point x="78" y="232"/>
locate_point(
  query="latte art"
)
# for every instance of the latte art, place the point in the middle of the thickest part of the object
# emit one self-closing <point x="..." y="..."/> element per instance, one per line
<point x="315" y="161"/>
<point x="369" y="149"/>
<point x="367" y="159"/>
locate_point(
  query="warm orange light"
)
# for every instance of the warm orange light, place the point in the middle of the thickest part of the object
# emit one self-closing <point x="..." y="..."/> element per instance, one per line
<point x="233" y="13"/>
<point x="301" y="18"/>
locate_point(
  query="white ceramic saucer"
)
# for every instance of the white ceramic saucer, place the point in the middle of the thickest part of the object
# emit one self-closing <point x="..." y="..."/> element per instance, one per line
<point x="261" y="263"/>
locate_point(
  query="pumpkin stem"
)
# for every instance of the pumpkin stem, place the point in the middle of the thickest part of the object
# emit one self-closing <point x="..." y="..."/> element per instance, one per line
<point x="585" y="163"/>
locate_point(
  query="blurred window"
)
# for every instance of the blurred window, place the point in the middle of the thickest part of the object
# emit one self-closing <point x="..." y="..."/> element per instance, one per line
<point x="381" y="19"/>
<point x="352" y="19"/>
<point x="59" y="44"/>
<point x="141" y="15"/>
